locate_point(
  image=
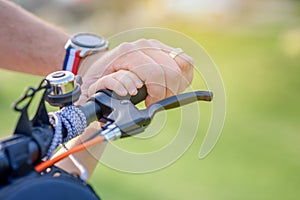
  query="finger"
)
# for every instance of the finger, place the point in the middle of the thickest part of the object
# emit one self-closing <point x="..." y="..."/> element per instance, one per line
<point x="108" y="82"/>
<point x="130" y="75"/>
<point x="186" y="67"/>
<point x="172" y="71"/>
<point x="82" y="99"/>
<point x="186" y="80"/>
<point x="147" y="70"/>
<point x="150" y="99"/>
<point x="184" y="61"/>
<point x="126" y="78"/>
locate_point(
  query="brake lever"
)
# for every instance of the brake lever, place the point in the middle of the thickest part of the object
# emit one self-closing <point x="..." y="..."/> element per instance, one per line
<point x="178" y="101"/>
<point x="122" y="112"/>
<point x="143" y="117"/>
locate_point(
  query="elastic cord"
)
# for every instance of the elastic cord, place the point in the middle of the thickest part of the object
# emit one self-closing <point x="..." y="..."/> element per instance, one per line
<point x="73" y="119"/>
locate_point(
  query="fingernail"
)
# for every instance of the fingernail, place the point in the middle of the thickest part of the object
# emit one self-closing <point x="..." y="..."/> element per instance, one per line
<point x="122" y="92"/>
<point x="139" y="83"/>
<point x="133" y="92"/>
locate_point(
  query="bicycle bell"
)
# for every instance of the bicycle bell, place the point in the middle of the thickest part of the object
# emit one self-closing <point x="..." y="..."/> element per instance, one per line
<point x="65" y="88"/>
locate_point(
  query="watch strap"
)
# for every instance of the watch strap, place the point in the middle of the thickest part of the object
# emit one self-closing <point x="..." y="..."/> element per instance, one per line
<point x="72" y="60"/>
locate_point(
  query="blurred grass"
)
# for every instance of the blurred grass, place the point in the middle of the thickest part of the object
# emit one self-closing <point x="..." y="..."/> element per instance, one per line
<point x="12" y="86"/>
<point x="257" y="156"/>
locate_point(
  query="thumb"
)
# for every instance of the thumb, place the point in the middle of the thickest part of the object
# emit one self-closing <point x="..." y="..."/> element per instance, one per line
<point x="83" y="98"/>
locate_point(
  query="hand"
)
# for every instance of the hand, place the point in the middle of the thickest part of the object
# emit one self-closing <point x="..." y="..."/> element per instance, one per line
<point x="122" y="82"/>
<point x="149" y="60"/>
<point x="125" y="68"/>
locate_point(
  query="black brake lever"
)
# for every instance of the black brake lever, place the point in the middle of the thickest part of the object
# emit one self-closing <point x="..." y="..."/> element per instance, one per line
<point x="179" y="100"/>
<point x="130" y="120"/>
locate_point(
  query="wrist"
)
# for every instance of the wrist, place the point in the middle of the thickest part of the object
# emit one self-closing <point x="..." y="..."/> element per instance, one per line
<point x="88" y="61"/>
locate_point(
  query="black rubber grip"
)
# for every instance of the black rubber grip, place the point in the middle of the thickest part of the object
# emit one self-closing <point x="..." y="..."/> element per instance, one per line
<point x="140" y="96"/>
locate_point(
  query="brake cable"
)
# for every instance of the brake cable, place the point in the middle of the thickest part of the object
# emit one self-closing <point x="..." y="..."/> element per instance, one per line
<point x="48" y="163"/>
<point x="107" y="133"/>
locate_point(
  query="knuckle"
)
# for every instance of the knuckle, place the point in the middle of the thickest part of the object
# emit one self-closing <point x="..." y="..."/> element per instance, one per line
<point x="159" y="45"/>
<point x="187" y="65"/>
<point x="143" y="43"/>
<point x="104" y="80"/>
<point x="190" y="77"/>
<point x="189" y="60"/>
<point x="158" y="72"/>
<point x="154" y="41"/>
<point x="186" y="79"/>
<point x="125" y="47"/>
<point x="140" y="42"/>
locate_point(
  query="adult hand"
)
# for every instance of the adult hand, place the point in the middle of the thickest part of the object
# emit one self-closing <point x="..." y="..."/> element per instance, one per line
<point x="163" y="74"/>
<point x="123" y="69"/>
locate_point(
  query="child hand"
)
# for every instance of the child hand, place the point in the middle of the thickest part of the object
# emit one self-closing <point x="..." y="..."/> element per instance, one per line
<point x="122" y="82"/>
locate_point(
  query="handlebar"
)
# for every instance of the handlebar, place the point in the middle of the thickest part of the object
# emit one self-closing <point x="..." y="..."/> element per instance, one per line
<point x="108" y="106"/>
<point x="94" y="109"/>
<point x="104" y="106"/>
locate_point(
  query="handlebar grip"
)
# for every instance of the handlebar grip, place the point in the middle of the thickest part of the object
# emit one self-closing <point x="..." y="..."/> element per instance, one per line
<point x="140" y="96"/>
<point x="4" y="165"/>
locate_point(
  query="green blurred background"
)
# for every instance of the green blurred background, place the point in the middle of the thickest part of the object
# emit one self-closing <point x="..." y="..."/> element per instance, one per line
<point x="256" y="46"/>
